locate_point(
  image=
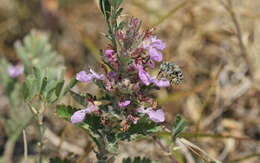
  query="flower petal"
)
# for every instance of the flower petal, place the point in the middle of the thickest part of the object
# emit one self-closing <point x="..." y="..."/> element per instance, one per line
<point x="91" y="108"/>
<point x="133" y="119"/>
<point x="144" y="111"/>
<point x="98" y="76"/>
<point x="123" y="104"/>
<point x="163" y="82"/>
<point x="78" y="116"/>
<point x="144" y="76"/>
<point x="141" y="109"/>
<point x="156" y="116"/>
<point x="109" y="52"/>
<point x="158" y="44"/>
<point x="155" y="54"/>
<point x="84" y="77"/>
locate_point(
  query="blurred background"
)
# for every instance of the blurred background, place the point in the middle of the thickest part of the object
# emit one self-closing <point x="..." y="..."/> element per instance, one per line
<point x="216" y="43"/>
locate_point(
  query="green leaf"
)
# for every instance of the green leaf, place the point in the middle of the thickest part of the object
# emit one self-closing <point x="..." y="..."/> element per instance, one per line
<point x="72" y="83"/>
<point x="38" y="78"/>
<point x="178" y="127"/>
<point x="59" y="160"/>
<point x="34" y="89"/>
<point x="51" y="86"/>
<point x="65" y="112"/>
<point x="44" y="84"/>
<point x="62" y="73"/>
<point x="59" y="88"/>
<point x="82" y="100"/>
<point x="36" y="51"/>
<point x="177" y="156"/>
<point x="93" y="122"/>
<point x="30" y="87"/>
<point x="22" y="54"/>
<point x="118" y="13"/>
<point x="143" y="127"/>
<point x="37" y="73"/>
<point x="122" y="24"/>
<point x="118" y="3"/>
<point x="105" y="8"/>
<point x="26" y="89"/>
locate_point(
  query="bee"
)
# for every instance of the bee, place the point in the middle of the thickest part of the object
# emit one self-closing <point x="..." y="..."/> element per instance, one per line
<point x="172" y="72"/>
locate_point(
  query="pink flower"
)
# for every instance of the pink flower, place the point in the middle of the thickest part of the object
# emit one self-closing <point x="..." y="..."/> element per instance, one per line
<point x="163" y="82"/>
<point x="154" y="115"/>
<point x="98" y="76"/>
<point x="154" y="46"/>
<point x="132" y="118"/>
<point x="123" y="104"/>
<point x="110" y="55"/>
<point x="15" y="71"/>
<point x="158" y="44"/>
<point x="84" y="77"/>
<point x="144" y="76"/>
<point x="155" y="54"/>
<point x="152" y="64"/>
<point x="79" y="116"/>
<point x="142" y="110"/>
<point x="109" y="52"/>
<point x="147" y="80"/>
<point x="91" y="108"/>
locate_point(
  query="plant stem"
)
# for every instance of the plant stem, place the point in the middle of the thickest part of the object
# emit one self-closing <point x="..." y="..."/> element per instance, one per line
<point x="41" y="128"/>
<point x="243" y="50"/>
<point x="25" y="146"/>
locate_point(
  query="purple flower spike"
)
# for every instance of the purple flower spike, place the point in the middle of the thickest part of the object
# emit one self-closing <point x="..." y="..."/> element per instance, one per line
<point x="15" y="71"/>
<point x="84" y="77"/>
<point x="123" y="104"/>
<point x="78" y="116"/>
<point x="144" y="76"/>
<point x="156" y="116"/>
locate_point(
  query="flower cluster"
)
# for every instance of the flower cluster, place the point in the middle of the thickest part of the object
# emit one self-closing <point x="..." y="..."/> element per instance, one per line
<point x="126" y="79"/>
